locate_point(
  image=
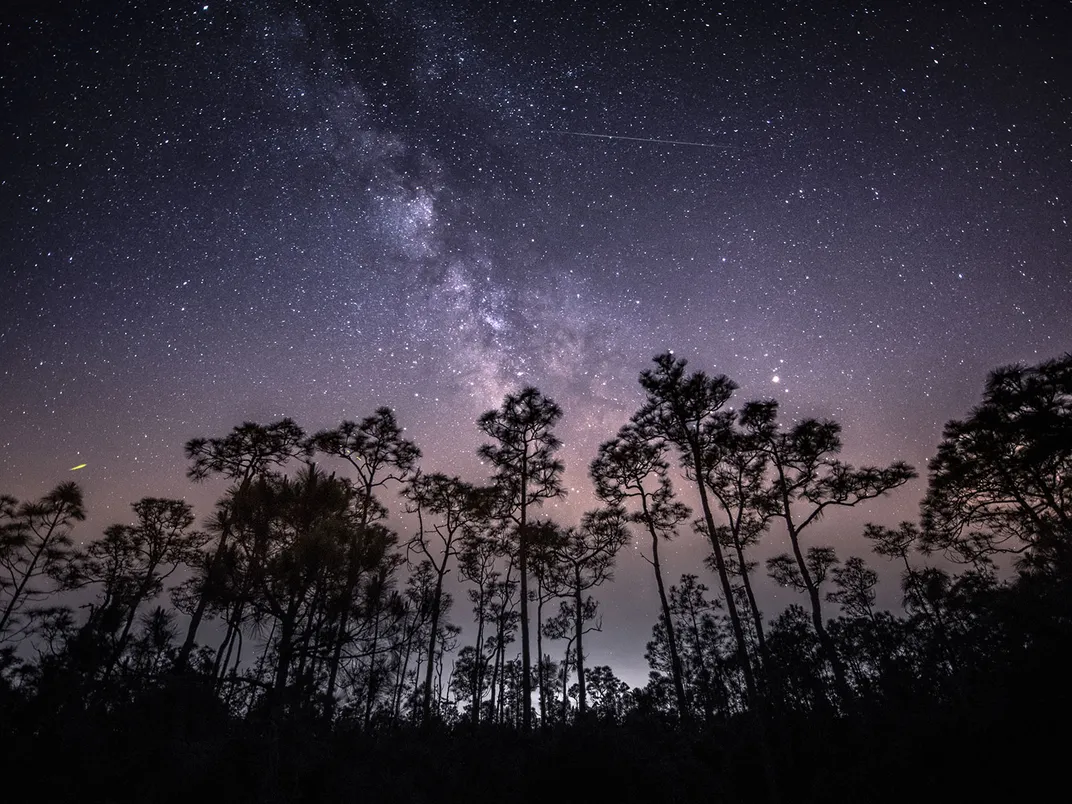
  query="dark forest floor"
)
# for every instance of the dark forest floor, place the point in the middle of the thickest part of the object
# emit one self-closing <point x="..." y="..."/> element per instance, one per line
<point x="1005" y="753"/>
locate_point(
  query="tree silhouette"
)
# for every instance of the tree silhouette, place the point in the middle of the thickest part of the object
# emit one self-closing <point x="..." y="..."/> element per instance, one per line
<point x="446" y="508"/>
<point x="798" y="662"/>
<point x="736" y="465"/>
<point x="585" y="559"/>
<point x="545" y="537"/>
<point x="479" y="550"/>
<point x="622" y="471"/>
<point x="151" y="650"/>
<point x="1002" y="479"/>
<point x="421" y="600"/>
<point x="807" y="480"/>
<point x="505" y="618"/>
<point x="818" y="562"/>
<point x="923" y="588"/>
<point x="35" y="544"/>
<point x="568" y="624"/>
<point x="130" y="564"/>
<point x="377" y="452"/>
<point x="608" y="692"/>
<point x="855" y="592"/>
<point x="378" y="612"/>
<point x="694" y="617"/>
<point x="526" y="474"/>
<point x="468" y="673"/>
<point x="241" y="455"/>
<point x="293" y="534"/>
<point x="339" y="668"/>
<point x="688" y="412"/>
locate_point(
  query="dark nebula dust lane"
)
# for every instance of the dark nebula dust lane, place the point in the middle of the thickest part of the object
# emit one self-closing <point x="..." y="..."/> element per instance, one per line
<point x="242" y="211"/>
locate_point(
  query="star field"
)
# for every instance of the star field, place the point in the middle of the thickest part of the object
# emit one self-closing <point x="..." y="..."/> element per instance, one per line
<point x="242" y="211"/>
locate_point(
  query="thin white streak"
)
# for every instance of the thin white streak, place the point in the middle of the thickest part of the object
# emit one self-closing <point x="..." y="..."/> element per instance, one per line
<point x="634" y="139"/>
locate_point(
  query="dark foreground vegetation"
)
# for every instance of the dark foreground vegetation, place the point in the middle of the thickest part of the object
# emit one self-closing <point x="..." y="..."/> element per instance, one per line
<point x="298" y="649"/>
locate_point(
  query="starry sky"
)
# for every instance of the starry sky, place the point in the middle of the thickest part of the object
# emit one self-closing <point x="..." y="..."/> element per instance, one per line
<point x="237" y="211"/>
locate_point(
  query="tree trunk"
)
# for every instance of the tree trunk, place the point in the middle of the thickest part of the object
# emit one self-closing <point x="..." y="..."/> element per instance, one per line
<point x="400" y="678"/>
<point x="754" y="694"/>
<point x="565" y="684"/>
<point x="478" y="661"/>
<point x="313" y="623"/>
<point x="339" y="639"/>
<point x="202" y="600"/>
<point x="132" y="611"/>
<point x="496" y="668"/>
<point x="757" y="618"/>
<point x="17" y="593"/>
<point x="582" y="704"/>
<point x="706" y="685"/>
<point x="502" y="676"/>
<point x="671" y="637"/>
<point x="539" y="655"/>
<point x="440" y="698"/>
<point x="284" y="652"/>
<point x="373" y="678"/>
<point x="526" y="660"/>
<point x="353" y="578"/>
<point x="827" y="644"/>
<point x="223" y="654"/>
<point x="426" y="706"/>
<point x="727" y="586"/>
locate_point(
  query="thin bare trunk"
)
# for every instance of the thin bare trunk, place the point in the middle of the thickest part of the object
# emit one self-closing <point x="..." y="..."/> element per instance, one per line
<point x="16" y="594"/>
<point x="754" y="694"/>
<point x="539" y="654"/>
<point x="436" y="602"/>
<point x="478" y="661"/>
<point x="671" y="636"/>
<point x="526" y="661"/>
<point x="202" y="600"/>
<point x="827" y="644"/>
<point x="582" y="704"/>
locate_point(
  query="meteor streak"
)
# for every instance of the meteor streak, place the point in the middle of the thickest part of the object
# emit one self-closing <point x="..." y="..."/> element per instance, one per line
<point x="633" y="139"/>
<point x="80" y="466"/>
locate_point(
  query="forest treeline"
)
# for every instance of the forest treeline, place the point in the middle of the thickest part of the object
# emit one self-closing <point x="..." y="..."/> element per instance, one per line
<point x="297" y="647"/>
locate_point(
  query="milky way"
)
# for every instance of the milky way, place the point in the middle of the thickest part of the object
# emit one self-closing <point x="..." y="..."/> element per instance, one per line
<point x="240" y="211"/>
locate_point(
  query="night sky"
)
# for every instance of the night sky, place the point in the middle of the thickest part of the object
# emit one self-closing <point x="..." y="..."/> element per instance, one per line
<point x="244" y="211"/>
